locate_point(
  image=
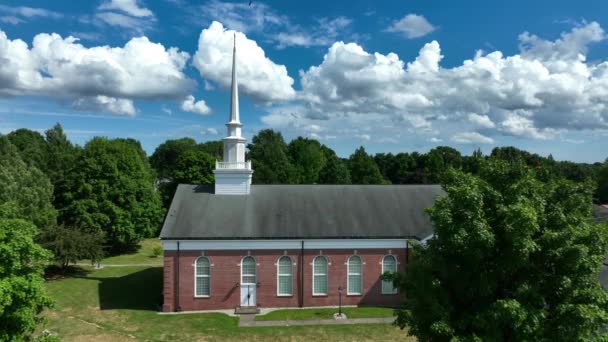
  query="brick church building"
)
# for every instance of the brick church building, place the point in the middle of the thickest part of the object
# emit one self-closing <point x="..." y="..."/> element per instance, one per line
<point x="237" y="245"/>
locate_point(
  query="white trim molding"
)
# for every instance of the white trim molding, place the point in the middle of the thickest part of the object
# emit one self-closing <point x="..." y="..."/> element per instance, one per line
<point x="323" y="244"/>
<point x="279" y="275"/>
<point x="196" y="276"/>
<point x="314" y="274"/>
<point x="348" y="274"/>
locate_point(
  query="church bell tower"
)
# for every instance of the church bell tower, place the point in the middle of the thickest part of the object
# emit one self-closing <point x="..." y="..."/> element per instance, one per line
<point x="233" y="174"/>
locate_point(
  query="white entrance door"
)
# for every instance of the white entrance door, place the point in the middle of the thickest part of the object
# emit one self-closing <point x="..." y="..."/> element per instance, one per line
<point x="248" y="282"/>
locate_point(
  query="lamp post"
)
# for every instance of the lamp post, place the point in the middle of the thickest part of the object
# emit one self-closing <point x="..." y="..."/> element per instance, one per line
<point x="340" y="301"/>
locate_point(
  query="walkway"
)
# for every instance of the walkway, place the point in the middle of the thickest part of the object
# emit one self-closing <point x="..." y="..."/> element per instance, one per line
<point x="249" y="321"/>
<point x="116" y="265"/>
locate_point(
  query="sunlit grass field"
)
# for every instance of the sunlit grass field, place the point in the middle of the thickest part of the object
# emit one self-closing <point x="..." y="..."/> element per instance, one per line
<point x="121" y="304"/>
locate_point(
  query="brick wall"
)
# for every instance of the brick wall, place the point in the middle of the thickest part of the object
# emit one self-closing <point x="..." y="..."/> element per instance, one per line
<point x="226" y="272"/>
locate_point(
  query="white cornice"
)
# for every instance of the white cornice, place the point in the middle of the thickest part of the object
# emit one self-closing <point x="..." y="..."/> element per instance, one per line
<point x="283" y="244"/>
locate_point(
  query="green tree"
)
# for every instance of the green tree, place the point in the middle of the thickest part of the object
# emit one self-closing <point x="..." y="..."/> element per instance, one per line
<point x="60" y="156"/>
<point x="191" y="167"/>
<point x="25" y="191"/>
<point x="308" y="159"/>
<point x="472" y="164"/>
<point x="602" y="189"/>
<point x="513" y="259"/>
<point x="439" y="159"/>
<point x="214" y="148"/>
<point x="31" y="146"/>
<point x="194" y="167"/>
<point x="111" y="191"/>
<point x="268" y="154"/>
<point x="335" y="170"/>
<point x="363" y="168"/>
<point x="164" y="158"/>
<point x="69" y="245"/>
<point x="22" y="293"/>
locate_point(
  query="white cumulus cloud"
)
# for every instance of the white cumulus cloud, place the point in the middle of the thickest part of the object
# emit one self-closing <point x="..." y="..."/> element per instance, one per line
<point x="259" y="77"/>
<point x="412" y="26"/>
<point x="191" y="105"/>
<point x="546" y="89"/>
<point x="482" y="121"/>
<point x="95" y="78"/>
<point x="103" y="103"/>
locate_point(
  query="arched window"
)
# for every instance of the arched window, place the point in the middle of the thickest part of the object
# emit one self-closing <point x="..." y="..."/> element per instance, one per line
<point x="202" y="279"/>
<point x="355" y="280"/>
<point x="319" y="276"/>
<point x="389" y="264"/>
<point x="284" y="276"/>
<point x="248" y="271"/>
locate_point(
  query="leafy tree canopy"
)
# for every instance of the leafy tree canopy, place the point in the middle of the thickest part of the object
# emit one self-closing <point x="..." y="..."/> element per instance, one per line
<point x="513" y="259"/>
<point x="111" y="191"/>
<point x="194" y="167"/>
<point x="31" y="146"/>
<point x="214" y="148"/>
<point x="25" y="191"/>
<point x="363" y="168"/>
<point x="335" y="170"/>
<point x="61" y="154"/>
<point x="440" y="159"/>
<point x="70" y="245"/>
<point x="165" y="156"/>
<point x="602" y="190"/>
<point x="22" y="293"/>
<point x="308" y="159"/>
<point x="268" y="154"/>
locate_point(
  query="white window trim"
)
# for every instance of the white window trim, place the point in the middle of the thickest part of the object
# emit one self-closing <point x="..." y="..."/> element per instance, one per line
<point x="395" y="290"/>
<point x="196" y="276"/>
<point x="279" y="275"/>
<point x="348" y="274"/>
<point x="326" y="276"/>
<point x="255" y="270"/>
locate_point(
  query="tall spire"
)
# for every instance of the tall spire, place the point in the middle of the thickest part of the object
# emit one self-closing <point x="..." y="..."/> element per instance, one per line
<point x="234" y="99"/>
<point x="233" y="174"/>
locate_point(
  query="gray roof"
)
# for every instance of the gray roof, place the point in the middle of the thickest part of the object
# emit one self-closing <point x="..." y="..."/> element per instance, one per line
<point x="302" y="212"/>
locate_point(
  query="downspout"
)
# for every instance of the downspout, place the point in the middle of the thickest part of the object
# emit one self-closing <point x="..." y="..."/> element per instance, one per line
<point x="407" y="253"/>
<point x="177" y="307"/>
<point x="302" y="274"/>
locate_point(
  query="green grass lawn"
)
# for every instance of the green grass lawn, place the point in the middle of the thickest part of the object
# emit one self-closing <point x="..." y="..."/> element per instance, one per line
<point x="144" y="255"/>
<point x="325" y="313"/>
<point x="121" y="303"/>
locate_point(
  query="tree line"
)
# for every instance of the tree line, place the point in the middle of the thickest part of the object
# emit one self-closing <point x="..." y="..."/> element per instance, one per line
<point x="307" y="161"/>
<point x="64" y="203"/>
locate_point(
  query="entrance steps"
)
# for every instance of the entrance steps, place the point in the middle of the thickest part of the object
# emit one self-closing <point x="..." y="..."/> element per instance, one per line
<point x="246" y="310"/>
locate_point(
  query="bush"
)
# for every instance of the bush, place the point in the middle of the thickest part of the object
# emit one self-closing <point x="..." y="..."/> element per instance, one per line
<point x="157" y="251"/>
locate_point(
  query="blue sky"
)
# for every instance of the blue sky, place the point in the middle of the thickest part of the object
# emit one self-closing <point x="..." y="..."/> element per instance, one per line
<point x="393" y="76"/>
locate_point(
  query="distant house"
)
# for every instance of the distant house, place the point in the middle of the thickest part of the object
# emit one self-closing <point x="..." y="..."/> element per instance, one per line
<point x="237" y="245"/>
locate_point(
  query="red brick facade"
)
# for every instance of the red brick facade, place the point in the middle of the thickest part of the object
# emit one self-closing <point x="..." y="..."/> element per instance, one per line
<point x="226" y="272"/>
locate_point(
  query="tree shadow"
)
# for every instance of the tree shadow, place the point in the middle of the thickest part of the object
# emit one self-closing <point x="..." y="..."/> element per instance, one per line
<point x="56" y="272"/>
<point x="371" y="298"/>
<point x="141" y="290"/>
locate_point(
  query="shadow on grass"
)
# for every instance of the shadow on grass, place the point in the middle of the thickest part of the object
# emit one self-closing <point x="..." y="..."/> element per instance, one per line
<point x="56" y="272"/>
<point x="141" y="290"/>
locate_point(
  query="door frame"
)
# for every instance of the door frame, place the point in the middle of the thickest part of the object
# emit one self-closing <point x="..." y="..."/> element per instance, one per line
<point x="249" y="287"/>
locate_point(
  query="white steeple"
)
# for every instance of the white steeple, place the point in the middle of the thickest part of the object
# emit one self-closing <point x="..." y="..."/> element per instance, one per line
<point x="233" y="175"/>
<point x="234" y="98"/>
